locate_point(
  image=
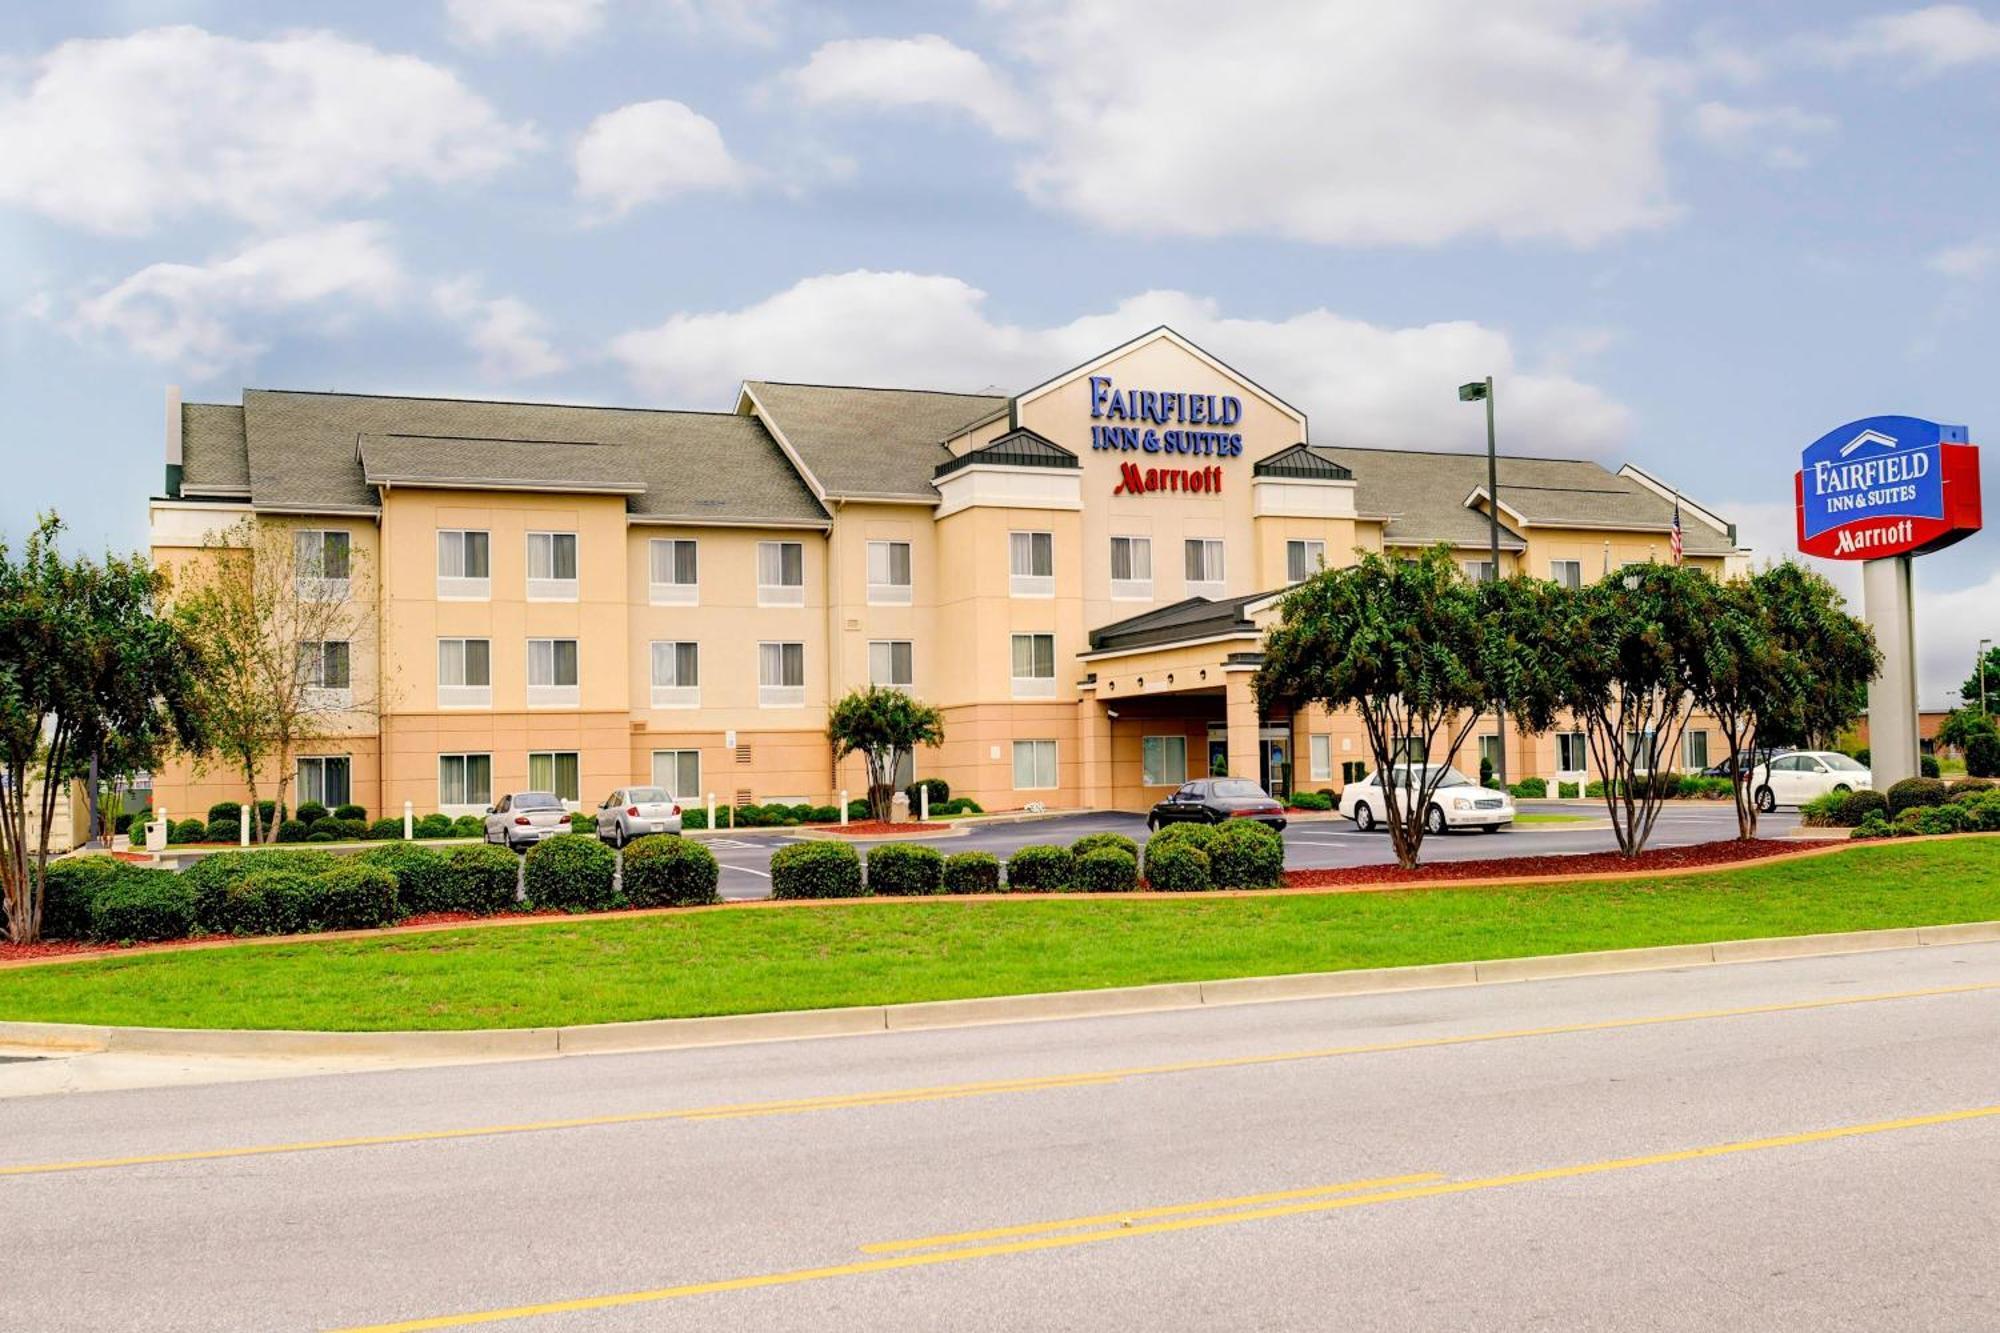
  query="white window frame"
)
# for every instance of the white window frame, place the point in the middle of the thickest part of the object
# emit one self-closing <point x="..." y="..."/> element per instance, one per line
<point x="1138" y="552"/>
<point x="1319" y="756"/>
<point x="463" y="587"/>
<point x="1689" y="763"/>
<point x="466" y="806"/>
<point x="674" y="692"/>
<point x="574" y="798"/>
<point x="1311" y="556"/>
<point x="1038" y="751"/>
<point x="1579" y="746"/>
<point x="673" y="593"/>
<point x="316" y="789"/>
<point x="1488" y="750"/>
<point x="886" y="591"/>
<point x="1574" y="576"/>
<point x="308" y="578"/>
<point x="553" y="587"/>
<point x="1156" y="766"/>
<point x="462" y="693"/>
<point x="886" y="678"/>
<point x="781" y="593"/>
<point x="1023" y="548"/>
<point x="553" y="692"/>
<point x="1476" y="571"/>
<point x="1213" y="562"/>
<point x="778" y="694"/>
<point x="1035" y="685"/>
<point x="312" y="670"/>
<point x="675" y="758"/>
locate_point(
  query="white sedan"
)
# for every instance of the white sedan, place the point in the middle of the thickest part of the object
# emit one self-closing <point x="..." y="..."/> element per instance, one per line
<point x="1802" y="775"/>
<point x="1458" y="802"/>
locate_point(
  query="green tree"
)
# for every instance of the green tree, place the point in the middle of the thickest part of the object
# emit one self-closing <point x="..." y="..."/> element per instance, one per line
<point x="87" y="666"/>
<point x="1961" y="725"/>
<point x="1969" y="691"/>
<point x="885" y="725"/>
<point x="1402" y="642"/>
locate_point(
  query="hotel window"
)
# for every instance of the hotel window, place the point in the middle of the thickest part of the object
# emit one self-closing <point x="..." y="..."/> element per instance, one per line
<point x="1353" y="770"/>
<point x="1409" y="750"/>
<point x="781" y="574"/>
<point x="320" y="560"/>
<point x="323" y="670"/>
<point x="888" y="573"/>
<point x="326" y="780"/>
<point x="1489" y="753"/>
<point x="465" y="673"/>
<point x="889" y="663"/>
<point x="781" y="675"/>
<point x="679" y="771"/>
<point x="464" y="566"/>
<point x="1163" y="761"/>
<point x="1132" y="569"/>
<point x="552" y="566"/>
<point x="1204" y="567"/>
<point x="1031" y="564"/>
<point x="671" y="578"/>
<point x="1643" y="747"/>
<point x="552" y="673"/>
<point x="556" y="771"/>
<point x="1320" y="750"/>
<point x="1034" y="765"/>
<point x="1034" y="666"/>
<point x="1694" y="751"/>
<point x="1569" y="573"/>
<point x="1479" y="571"/>
<point x="676" y="675"/>
<point x="465" y="783"/>
<point x="1304" y="559"/>
<point x="1572" y="752"/>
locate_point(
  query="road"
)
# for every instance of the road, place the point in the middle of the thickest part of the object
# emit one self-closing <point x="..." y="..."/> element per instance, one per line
<point x="1812" y="1144"/>
<point x="746" y="860"/>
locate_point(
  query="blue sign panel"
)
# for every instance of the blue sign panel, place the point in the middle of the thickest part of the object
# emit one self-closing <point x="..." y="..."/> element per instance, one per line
<point x="1877" y="467"/>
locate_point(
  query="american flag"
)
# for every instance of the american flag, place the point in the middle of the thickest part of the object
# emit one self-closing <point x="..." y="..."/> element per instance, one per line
<point x="1674" y="538"/>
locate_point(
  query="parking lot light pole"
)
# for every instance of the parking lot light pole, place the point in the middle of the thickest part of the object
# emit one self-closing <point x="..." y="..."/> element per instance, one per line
<point x="1476" y="392"/>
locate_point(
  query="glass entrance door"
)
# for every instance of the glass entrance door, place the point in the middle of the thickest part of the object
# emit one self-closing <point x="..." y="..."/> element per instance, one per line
<point x="1274" y="754"/>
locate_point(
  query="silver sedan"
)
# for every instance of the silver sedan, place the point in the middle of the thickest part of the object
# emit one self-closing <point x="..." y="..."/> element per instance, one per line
<point x="634" y="812"/>
<point x="526" y="818"/>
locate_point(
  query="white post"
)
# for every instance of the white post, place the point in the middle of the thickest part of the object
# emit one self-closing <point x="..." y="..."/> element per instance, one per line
<point x="409" y="821"/>
<point x="1886" y="603"/>
<point x="843" y="807"/>
<point x="711" y="811"/>
<point x="243" y="823"/>
<point x="923" y="803"/>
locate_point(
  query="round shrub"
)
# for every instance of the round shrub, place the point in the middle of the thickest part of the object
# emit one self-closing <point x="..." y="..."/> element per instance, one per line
<point x="1178" y="867"/>
<point x="940" y="791"/>
<point x="1913" y="792"/>
<point x="1041" y="869"/>
<point x="122" y="823"/>
<point x="71" y="891"/>
<point x="269" y="902"/>
<point x="1982" y="755"/>
<point x="1107" y="870"/>
<point x="343" y="830"/>
<point x="350" y="811"/>
<point x="321" y="835"/>
<point x="468" y="826"/>
<point x="225" y="810"/>
<point x="481" y="879"/>
<point x="1246" y="855"/>
<point x="571" y="872"/>
<point x="858" y="809"/>
<point x="1311" y="800"/>
<point x="696" y="817"/>
<point x="1117" y="842"/>
<point x="816" y="870"/>
<point x="294" y="831"/>
<point x="1874" y="827"/>
<point x="972" y="872"/>
<point x="352" y="896"/>
<point x="662" y="870"/>
<point x="965" y="805"/>
<point x="823" y="814"/>
<point x="223" y="830"/>
<point x="187" y="830"/>
<point x="310" y="812"/>
<point x="143" y="905"/>
<point x="422" y="882"/>
<point x="1532" y="789"/>
<point x="208" y="879"/>
<point x="384" y="829"/>
<point x="1985" y="812"/>
<point x="1201" y="836"/>
<point x="1927" y="766"/>
<point x="904" y="870"/>
<point x="1858" y="806"/>
<point x="433" y="826"/>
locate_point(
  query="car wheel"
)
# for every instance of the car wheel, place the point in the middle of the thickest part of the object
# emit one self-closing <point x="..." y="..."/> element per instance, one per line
<point x="1434" y="819"/>
<point x="1766" y="802"/>
<point x="1364" y="818"/>
<point x="1152" y="823"/>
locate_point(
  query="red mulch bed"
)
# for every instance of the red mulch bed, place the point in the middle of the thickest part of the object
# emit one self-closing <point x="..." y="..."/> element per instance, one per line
<point x="1702" y="854"/>
<point x="875" y="828"/>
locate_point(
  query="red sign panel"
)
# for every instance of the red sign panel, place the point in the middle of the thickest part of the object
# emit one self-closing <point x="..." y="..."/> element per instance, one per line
<point x="1136" y="480"/>
<point x="1913" y="513"/>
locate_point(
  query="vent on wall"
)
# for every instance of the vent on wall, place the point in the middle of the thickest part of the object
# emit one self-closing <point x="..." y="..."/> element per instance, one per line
<point x="743" y="754"/>
<point x="742" y="796"/>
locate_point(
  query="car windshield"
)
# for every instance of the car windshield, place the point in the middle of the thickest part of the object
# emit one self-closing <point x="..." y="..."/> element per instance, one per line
<point x="537" y="800"/>
<point x="1236" y="787"/>
<point x="1840" y="763"/>
<point x="1452" y="777"/>
<point x="647" y="795"/>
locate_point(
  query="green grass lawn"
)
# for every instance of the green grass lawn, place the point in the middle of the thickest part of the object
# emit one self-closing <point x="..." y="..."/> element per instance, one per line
<point x="741" y="961"/>
<point x="1520" y="818"/>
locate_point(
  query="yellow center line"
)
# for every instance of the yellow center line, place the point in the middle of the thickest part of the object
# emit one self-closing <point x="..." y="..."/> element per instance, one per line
<point x="1131" y="1215"/>
<point x="930" y="1258"/>
<point x="954" y="1091"/>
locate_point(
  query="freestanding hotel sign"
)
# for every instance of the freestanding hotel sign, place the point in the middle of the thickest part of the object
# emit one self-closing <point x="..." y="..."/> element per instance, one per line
<point x="1881" y="490"/>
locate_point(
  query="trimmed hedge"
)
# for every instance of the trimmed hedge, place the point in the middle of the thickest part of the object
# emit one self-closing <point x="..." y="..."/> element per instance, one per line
<point x="186" y="830"/>
<point x="268" y="902"/>
<point x="223" y="830"/>
<point x="1107" y="870"/>
<point x="225" y="810"/>
<point x="1927" y="766"/>
<point x="1178" y="867"/>
<point x="350" y="811"/>
<point x="384" y="829"/>
<point x="468" y="826"/>
<point x="309" y="812"/>
<point x="1569" y="790"/>
<point x="662" y="870"/>
<point x="481" y="879"/>
<point x="1200" y="836"/>
<point x="208" y="879"/>
<point x="422" y="878"/>
<point x="904" y="870"/>
<point x="1041" y="869"/>
<point x="1857" y="806"/>
<point x="571" y="872"/>
<point x="433" y="826"/>
<point x="142" y="905"/>
<point x="1982" y="755"/>
<point x="293" y="830"/>
<point x="940" y="792"/>
<point x="352" y="896"/>
<point x="816" y="870"/>
<point x="71" y="892"/>
<point x="1246" y="855"/>
<point x="1311" y="800"/>
<point x="1529" y="789"/>
<point x="972" y="872"/>
<point x="1117" y="842"/>
<point x="321" y="835"/>
<point x="1913" y="792"/>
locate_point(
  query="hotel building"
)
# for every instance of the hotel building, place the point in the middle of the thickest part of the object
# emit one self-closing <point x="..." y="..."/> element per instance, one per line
<point x="1078" y="576"/>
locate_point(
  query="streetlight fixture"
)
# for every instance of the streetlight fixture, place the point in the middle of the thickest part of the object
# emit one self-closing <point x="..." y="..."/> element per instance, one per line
<point x="1477" y="392"/>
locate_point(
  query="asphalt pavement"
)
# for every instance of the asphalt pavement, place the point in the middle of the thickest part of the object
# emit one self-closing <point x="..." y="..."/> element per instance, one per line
<point x="1309" y="843"/>
<point x="1811" y="1144"/>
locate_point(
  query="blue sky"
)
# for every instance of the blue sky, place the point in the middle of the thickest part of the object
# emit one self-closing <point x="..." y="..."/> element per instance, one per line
<point x="1694" y="236"/>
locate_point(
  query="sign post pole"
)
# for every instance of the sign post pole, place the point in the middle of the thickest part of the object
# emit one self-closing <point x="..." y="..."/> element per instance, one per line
<point x="1892" y="696"/>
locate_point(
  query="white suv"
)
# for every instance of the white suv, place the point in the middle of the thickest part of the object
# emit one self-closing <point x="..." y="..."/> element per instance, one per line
<point x="1802" y="775"/>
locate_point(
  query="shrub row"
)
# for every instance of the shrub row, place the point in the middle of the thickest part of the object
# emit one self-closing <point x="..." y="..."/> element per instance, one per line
<point x="1843" y="809"/>
<point x="1670" y="786"/>
<point x="1971" y="808"/>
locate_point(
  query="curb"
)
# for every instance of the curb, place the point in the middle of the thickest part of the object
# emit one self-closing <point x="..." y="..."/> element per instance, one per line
<point x="666" y="1034"/>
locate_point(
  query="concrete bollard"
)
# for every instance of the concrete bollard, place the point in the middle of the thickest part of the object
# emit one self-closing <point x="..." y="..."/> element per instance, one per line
<point x="711" y="810"/>
<point x="843" y="807"/>
<point x="409" y="820"/>
<point x="243" y="823"/>
<point x="924" y="803"/>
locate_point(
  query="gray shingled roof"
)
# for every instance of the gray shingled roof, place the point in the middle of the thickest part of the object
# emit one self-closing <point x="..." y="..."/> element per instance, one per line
<point x="870" y="443"/>
<point x="305" y="453"/>
<point x="541" y="465"/>
<point x="1191" y="618"/>
<point x="214" y="460"/>
<point x="1424" y="496"/>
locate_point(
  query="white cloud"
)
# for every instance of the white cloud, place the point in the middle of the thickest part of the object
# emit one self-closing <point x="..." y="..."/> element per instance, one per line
<point x="1771" y="132"/>
<point x="117" y="135"/>
<point x="1361" y="383"/>
<point x="651" y="150"/>
<point x="753" y="21"/>
<point x="1971" y="261"/>
<point x="908" y="72"/>
<point x="509" y="335"/>
<point x="197" y="318"/>
<point x="1937" y="37"/>
<point x="546" y="23"/>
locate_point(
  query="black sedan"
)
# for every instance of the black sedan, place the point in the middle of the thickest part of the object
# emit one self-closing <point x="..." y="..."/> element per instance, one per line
<point x="1213" y="800"/>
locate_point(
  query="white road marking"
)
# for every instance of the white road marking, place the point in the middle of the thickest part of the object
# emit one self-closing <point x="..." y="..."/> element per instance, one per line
<point x="748" y="869"/>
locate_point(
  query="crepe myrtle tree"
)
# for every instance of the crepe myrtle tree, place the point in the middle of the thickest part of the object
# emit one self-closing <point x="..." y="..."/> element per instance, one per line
<point x="885" y="725"/>
<point x="1406" y="644"/>
<point x="88" y="666"/>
